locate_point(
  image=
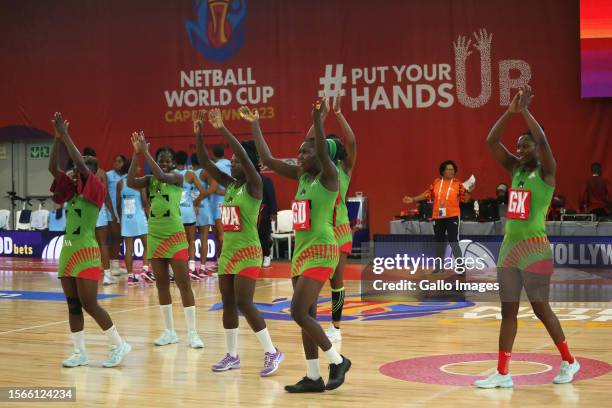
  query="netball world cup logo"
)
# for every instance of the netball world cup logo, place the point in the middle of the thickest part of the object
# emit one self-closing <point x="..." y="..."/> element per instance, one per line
<point x="218" y="32"/>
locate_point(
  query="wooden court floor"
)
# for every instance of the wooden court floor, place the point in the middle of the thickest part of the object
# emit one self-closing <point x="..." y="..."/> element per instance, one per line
<point x="403" y="355"/>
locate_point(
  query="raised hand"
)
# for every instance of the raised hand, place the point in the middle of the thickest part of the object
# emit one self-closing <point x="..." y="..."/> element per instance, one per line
<point x="248" y="115"/>
<point x="60" y="125"/>
<point x="318" y="109"/>
<point x="56" y="133"/>
<point x="144" y="146"/>
<point x="136" y="143"/>
<point x="525" y="97"/>
<point x="325" y="106"/>
<point x="337" y="104"/>
<point x="198" y="123"/>
<point x="514" y="106"/>
<point x="215" y="118"/>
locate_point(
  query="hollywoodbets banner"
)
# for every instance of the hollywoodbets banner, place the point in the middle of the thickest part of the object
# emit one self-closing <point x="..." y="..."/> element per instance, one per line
<point x="48" y="245"/>
<point x="422" y="81"/>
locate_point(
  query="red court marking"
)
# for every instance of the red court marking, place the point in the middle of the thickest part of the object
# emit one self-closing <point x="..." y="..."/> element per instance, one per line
<point x="427" y="369"/>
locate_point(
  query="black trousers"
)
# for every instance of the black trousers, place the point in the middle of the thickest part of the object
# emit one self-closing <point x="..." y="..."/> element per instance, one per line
<point x="444" y="227"/>
<point x="265" y="231"/>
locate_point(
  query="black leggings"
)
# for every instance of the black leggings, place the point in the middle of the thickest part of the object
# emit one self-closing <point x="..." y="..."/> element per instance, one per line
<point x="443" y="227"/>
<point x="265" y="231"/>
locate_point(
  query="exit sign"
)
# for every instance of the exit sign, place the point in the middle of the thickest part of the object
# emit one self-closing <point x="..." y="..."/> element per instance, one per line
<point x="40" y="152"/>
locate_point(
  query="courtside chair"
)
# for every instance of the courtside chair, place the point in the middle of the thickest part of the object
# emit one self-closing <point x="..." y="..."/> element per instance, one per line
<point x="5" y="216"/>
<point x="40" y="219"/>
<point x="283" y="229"/>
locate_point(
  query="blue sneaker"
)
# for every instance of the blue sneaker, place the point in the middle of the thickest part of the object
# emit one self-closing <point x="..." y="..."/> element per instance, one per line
<point x="76" y="359"/>
<point x="495" y="380"/>
<point x="566" y="372"/>
<point x="167" y="337"/>
<point x="116" y="355"/>
<point x="194" y="340"/>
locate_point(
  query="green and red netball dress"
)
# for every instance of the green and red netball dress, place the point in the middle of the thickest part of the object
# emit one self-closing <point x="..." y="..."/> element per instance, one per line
<point x="526" y="244"/>
<point x="166" y="238"/>
<point x="241" y="253"/>
<point x="342" y="228"/>
<point x="316" y="250"/>
<point x="80" y="256"/>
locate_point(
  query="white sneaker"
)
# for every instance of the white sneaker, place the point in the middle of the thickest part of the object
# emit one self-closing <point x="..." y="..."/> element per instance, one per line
<point x="167" y="337"/>
<point x="267" y="261"/>
<point x="76" y="359"/>
<point x="194" y="340"/>
<point x="334" y="335"/>
<point x="116" y="355"/>
<point x="109" y="279"/>
<point x="566" y="372"/>
<point x="495" y="380"/>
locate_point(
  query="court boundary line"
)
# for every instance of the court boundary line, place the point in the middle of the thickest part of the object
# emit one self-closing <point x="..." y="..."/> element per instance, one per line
<point x="117" y="312"/>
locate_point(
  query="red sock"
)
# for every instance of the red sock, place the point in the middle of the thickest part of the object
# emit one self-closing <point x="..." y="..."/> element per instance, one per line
<point x="565" y="353"/>
<point x="503" y="362"/>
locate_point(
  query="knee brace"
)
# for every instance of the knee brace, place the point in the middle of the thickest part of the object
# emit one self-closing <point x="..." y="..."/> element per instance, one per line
<point x="74" y="306"/>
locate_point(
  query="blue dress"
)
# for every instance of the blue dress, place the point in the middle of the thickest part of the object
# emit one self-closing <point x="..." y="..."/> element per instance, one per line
<point x="187" y="212"/>
<point x="57" y="224"/>
<point x="133" y="218"/>
<point x="104" y="217"/>
<point x="205" y="217"/>
<point x="217" y="199"/>
<point x="113" y="179"/>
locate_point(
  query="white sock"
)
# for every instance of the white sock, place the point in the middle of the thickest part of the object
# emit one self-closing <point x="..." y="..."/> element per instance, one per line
<point x="191" y="265"/>
<point x="266" y="341"/>
<point x="113" y="336"/>
<point x="78" y="339"/>
<point x="190" y="317"/>
<point x="145" y="268"/>
<point x="313" y="371"/>
<point x="231" y="341"/>
<point x="114" y="264"/>
<point x="107" y="272"/>
<point x="166" y="311"/>
<point x="333" y="356"/>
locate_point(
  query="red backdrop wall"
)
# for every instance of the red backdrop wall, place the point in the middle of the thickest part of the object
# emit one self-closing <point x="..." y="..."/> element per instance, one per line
<point x="107" y="65"/>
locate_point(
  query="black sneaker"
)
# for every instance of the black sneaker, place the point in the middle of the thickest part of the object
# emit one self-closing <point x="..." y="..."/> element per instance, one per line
<point x="337" y="373"/>
<point x="306" y="385"/>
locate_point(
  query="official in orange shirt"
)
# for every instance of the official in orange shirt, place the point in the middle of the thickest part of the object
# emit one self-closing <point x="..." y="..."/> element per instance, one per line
<point x="446" y="193"/>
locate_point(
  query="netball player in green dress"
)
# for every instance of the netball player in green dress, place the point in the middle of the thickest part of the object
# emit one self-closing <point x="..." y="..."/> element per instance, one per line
<point x="240" y="260"/>
<point x="525" y="258"/>
<point x="316" y="248"/>
<point x="80" y="267"/>
<point x="166" y="239"/>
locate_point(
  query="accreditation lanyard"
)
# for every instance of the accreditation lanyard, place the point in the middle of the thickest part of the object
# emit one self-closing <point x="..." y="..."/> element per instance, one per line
<point x="443" y="204"/>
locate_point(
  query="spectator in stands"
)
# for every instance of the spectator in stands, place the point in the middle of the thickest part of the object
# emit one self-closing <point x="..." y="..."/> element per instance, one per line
<point x="596" y="199"/>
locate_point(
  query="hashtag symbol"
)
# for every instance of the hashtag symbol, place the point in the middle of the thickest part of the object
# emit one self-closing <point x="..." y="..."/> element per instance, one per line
<point x="332" y="83"/>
